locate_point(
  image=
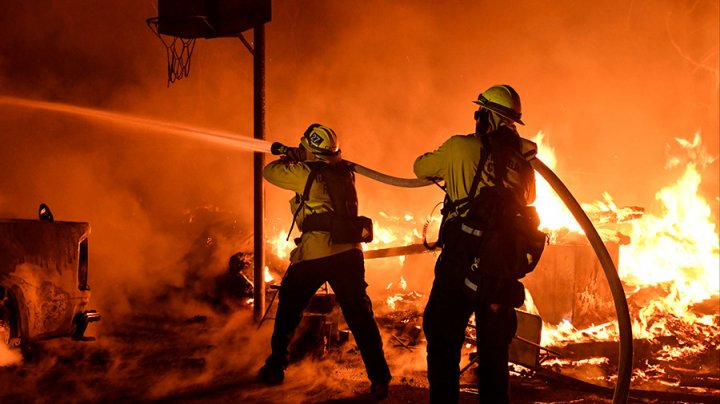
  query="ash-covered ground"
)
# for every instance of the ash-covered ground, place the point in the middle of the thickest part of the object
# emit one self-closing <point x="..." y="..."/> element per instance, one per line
<point x="215" y="359"/>
<point x="210" y="350"/>
<point x="195" y="340"/>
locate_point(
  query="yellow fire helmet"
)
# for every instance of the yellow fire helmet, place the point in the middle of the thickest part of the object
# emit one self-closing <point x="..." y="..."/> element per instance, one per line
<point x="320" y="141"/>
<point x="503" y="100"/>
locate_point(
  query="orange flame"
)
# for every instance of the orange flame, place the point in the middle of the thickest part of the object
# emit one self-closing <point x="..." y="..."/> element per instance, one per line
<point x="267" y="275"/>
<point x="553" y="213"/>
<point x="393" y="232"/>
<point x="281" y="245"/>
<point x="677" y="247"/>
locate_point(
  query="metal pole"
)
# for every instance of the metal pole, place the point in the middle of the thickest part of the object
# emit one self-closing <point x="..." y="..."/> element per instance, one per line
<point x="258" y="164"/>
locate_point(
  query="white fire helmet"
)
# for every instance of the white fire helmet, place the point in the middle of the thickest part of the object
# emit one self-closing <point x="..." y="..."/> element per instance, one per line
<point x="320" y="140"/>
<point x="503" y="100"/>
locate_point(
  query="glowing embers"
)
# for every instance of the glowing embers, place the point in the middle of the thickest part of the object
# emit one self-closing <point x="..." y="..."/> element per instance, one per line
<point x="402" y="314"/>
<point x="402" y="299"/>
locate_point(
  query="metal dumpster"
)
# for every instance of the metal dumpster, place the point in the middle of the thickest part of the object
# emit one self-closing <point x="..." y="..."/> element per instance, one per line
<point x="44" y="289"/>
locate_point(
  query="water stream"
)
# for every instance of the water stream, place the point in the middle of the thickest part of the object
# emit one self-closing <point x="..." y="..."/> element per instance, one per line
<point x="202" y="134"/>
<point x="207" y="135"/>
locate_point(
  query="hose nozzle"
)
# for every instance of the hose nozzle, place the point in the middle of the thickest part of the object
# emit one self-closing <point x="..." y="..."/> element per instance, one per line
<point x="278" y="149"/>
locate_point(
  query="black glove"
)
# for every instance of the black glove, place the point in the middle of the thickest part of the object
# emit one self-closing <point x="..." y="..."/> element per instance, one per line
<point x="294" y="155"/>
<point x="278" y="149"/>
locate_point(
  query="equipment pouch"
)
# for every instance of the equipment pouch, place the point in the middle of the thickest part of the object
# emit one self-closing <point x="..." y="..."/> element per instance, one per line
<point x="358" y="229"/>
<point x="529" y="241"/>
<point x="497" y="256"/>
<point x="512" y="248"/>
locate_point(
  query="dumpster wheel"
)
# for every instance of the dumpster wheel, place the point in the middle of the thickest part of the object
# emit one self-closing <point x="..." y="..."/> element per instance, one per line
<point x="9" y="332"/>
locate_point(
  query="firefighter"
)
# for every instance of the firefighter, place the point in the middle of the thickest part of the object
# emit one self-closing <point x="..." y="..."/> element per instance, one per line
<point x="448" y="309"/>
<point x="325" y="194"/>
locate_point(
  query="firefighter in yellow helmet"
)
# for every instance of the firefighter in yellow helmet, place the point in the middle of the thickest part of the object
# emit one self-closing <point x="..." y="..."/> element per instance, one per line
<point x="449" y="306"/>
<point x="326" y="211"/>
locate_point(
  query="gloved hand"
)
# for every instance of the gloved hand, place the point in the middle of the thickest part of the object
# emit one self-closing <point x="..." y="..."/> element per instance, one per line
<point x="294" y="155"/>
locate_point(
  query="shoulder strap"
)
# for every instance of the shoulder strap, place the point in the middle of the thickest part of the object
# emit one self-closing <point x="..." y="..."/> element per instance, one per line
<point x="304" y="197"/>
<point x="314" y="169"/>
<point x="484" y="155"/>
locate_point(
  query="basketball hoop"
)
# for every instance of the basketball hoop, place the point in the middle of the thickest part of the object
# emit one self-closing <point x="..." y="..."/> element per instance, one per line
<point x="180" y="23"/>
<point x="178" y="50"/>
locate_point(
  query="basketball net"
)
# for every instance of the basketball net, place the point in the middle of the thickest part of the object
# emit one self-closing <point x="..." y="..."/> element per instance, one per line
<point x="178" y="51"/>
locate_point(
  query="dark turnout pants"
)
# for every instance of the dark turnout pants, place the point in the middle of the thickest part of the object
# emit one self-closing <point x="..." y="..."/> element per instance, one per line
<point x="444" y="322"/>
<point x="346" y="274"/>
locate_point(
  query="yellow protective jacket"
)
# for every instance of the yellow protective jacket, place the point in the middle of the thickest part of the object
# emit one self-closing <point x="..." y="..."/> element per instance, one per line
<point x="293" y="177"/>
<point x="456" y="161"/>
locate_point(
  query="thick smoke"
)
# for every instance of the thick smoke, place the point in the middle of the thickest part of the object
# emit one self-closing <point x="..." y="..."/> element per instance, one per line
<point x="610" y="83"/>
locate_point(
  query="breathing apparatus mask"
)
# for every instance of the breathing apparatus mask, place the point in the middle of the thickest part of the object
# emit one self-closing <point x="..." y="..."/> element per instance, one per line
<point x="485" y="121"/>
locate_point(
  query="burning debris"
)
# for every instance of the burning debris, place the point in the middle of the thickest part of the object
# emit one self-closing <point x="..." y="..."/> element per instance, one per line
<point x="401" y="314"/>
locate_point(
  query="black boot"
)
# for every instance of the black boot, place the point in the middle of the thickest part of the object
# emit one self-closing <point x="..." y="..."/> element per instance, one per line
<point x="379" y="391"/>
<point x="271" y="375"/>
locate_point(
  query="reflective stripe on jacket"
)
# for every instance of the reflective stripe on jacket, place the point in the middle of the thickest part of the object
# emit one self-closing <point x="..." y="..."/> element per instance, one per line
<point x="293" y="177"/>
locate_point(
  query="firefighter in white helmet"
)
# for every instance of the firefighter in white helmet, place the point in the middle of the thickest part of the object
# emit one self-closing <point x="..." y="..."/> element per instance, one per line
<point x="449" y="306"/>
<point x="326" y="210"/>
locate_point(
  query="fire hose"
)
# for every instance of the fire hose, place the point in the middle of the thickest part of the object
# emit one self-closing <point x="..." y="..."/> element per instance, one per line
<point x="622" y="387"/>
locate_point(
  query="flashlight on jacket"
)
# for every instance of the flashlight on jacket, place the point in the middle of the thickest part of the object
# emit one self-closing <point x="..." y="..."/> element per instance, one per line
<point x="278" y="149"/>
